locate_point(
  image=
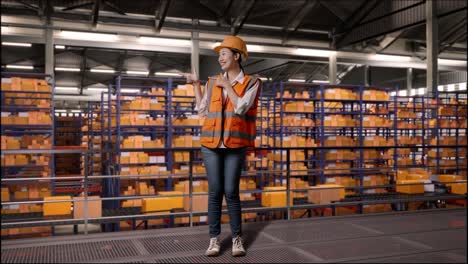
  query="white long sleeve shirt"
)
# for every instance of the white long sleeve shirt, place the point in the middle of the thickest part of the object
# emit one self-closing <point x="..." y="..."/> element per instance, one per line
<point x="244" y="103"/>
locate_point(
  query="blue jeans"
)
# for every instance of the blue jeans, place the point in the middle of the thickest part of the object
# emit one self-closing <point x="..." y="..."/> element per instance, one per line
<point x="223" y="168"/>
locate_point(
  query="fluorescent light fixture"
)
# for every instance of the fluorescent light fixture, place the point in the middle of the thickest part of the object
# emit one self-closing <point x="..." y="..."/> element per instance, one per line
<point x="264" y="78"/>
<point x="16" y="44"/>
<point x="76" y="111"/>
<point x="102" y="71"/>
<point x="127" y="90"/>
<point x="462" y="86"/>
<point x="451" y="87"/>
<point x="402" y="93"/>
<point x="440" y="88"/>
<point x="59" y="46"/>
<point x="296" y="80"/>
<point x="175" y="74"/>
<point x="165" y="41"/>
<point x="313" y="52"/>
<point x="24" y="67"/>
<point x="320" y="81"/>
<point x="97" y="89"/>
<point x="137" y="72"/>
<point x="255" y="48"/>
<point x="392" y="93"/>
<point x="390" y="57"/>
<point x="421" y="91"/>
<point x="216" y="44"/>
<point x="413" y="92"/>
<point x="452" y="62"/>
<point x="65" y="88"/>
<point x="88" y="36"/>
<point x="60" y="110"/>
<point x="67" y="69"/>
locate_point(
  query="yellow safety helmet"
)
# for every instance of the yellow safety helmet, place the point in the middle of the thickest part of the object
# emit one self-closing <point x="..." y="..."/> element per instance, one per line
<point x="236" y="43"/>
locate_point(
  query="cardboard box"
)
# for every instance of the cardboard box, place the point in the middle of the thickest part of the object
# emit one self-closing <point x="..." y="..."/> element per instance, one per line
<point x="94" y="207"/>
<point x="59" y="208"/>
<point x="410" y="189"/>
<point x="274" y="199"/>
<point x="319" y="195"/>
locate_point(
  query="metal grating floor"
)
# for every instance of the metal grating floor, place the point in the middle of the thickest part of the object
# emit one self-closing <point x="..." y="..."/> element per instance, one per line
<point x="432" y="236"/>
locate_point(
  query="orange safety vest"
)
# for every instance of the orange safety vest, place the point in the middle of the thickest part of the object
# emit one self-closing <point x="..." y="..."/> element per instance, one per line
<point x="222" y="123"/>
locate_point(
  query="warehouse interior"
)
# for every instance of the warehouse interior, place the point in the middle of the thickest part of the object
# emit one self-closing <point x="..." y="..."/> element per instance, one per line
<point x="361" y="124"/>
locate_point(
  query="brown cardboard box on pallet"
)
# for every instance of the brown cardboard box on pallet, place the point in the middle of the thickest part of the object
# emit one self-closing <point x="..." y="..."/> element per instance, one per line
<point x="94" y="207"/>
<point x="319" y="195"/>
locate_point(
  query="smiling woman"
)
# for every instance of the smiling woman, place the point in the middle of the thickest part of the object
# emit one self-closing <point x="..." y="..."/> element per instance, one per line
<point x="229" y="105"/>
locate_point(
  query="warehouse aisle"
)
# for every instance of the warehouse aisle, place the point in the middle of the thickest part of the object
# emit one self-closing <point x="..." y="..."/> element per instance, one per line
<point x="437" y="236"/>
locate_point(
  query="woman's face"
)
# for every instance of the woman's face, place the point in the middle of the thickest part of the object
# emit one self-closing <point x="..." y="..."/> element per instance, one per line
<point x="227" y="59"/>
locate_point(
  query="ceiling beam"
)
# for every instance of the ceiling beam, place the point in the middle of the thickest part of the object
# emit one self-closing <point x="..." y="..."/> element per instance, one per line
<point x="337" y="13"/>
<point x="298" y="68"/>
<point x="317" y="69"/>
<point x="120" y="63"/>
<point x="345" y="28"/>
<point x="294" y="23"/>
<point x="219" y="16"/>
<point x="68" y="8"/>
<point x="95" y="14"/>
<point x="160" y="15"/>
<point x="83" y="69"/>
<point x="265" y="65"/>
<point x="114" y="7"/>
<point x="240" y="20"/>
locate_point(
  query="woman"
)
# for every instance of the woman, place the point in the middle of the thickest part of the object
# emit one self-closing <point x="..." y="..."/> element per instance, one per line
<point x="229" y="105"/>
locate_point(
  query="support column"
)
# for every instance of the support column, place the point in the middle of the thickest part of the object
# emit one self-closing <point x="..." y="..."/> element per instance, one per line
<point x="49" y="51"/>
<point x="332" y="69"/>
<point x="195" y="56"/>
<point x="409" y="80"/>
<point x="432" y="46"/>
<point x="367" y="75"/>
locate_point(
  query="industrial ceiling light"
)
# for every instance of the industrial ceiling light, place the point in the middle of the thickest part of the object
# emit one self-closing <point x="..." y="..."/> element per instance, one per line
<point x="402" y="93"/>
<point x="264" y="79"/>
<point x="255" y="48"/>
<point x="451" y="87"/>
<point x="88" y="36"/>
<point x="16" y="44"/>
<point x="421" y="91"/>
<point x="102" y="71"/>
<point x="440" y="88"/>
<point x="24" y="67"/>
<point x="59" y="46"/>
<point x="320" y="81"/>
<point x="384" y="57"/>
<point x="452" y="62"/>
<point x="66" y="88"/>
<point x="61" y="110"/>
<point x="296" y="80"/>
<point x="165" y="41"/>
<point x="174" y="74"/>
<point x="67" y="69"/>
<point x="137" y="72"/>
<point x="127" y="90"/>
<point x="462" y="86"/>
<point x="75" y="111"/>
<point x="97" y="89"/>
<point x="314" y="52"/>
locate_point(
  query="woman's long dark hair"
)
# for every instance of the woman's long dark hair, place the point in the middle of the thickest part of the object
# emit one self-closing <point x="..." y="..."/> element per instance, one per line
<point x="234" y="52"/>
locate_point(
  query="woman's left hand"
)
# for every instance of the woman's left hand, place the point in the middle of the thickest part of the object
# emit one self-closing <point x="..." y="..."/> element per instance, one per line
<point x="222" y="81"/>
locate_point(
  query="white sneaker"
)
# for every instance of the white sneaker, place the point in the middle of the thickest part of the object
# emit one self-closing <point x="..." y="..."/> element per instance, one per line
<point x="237" y="247"/>
<point x="213" y="249"/>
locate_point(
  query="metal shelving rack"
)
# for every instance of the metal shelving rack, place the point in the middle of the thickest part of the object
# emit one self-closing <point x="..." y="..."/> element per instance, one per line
<point x="455" y="125"/>
<point x="17" y="102"/>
